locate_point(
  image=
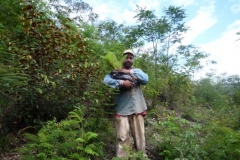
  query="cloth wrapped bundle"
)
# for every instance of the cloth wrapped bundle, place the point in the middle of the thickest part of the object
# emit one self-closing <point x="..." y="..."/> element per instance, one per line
<point x="123" y="76"/>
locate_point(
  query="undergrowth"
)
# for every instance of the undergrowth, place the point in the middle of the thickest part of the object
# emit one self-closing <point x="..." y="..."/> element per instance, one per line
<point x="66" y="139"/>
<point x="174" y="137"/>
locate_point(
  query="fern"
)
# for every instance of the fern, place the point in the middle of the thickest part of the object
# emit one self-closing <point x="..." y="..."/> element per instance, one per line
<point x="80" y="148"/>
<point x="77" y="114"/>
<point x="63" y="140"/>
<point x="75" y="156"/>
<point x="111" y="62"/>
<point x="81" y="140"/>
<point x="46" y="146"/>
<point x="91" y="149"/>
<point x="90" y="136"/>
<point x="41" y="156"/>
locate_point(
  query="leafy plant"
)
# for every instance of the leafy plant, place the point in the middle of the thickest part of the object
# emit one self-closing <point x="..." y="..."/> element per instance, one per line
<point x="133" y="155"/>
<point x="67" y="139"/>
<point x="207" y="94"/>
<point x="54" y="55"/>
<point x="176" y="138"/>
<point x="111" y="62"/>
<point x="222" y="143"/>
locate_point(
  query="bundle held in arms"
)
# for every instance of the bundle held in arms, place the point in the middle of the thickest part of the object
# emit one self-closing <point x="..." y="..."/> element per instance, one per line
<point x="122" y="76"/>
<point x="112" y="63"/>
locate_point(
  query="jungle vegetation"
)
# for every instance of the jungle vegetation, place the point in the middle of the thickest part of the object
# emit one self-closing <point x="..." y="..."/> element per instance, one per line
<point x="53" y="57"/>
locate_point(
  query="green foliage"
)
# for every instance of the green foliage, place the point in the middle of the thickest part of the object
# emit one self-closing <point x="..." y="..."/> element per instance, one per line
<point x="114" y="35"/>
<point x="144" y="61"/>
<point x="232" y="88"/>
<point x="50" y="61"/>
<point x="208" y="95"/>
<point x="222" y="143"/>
<point x="67" y="139"/>
<point x="111" y="62"/>
<point x="81" y="10"/>
<point x="10" y="10"/>
<point x="169" y="69"/>
<point x="203" y="133"/>
<point x="176" y="138"/>
<point x="10" y="78"/>
<point x="110" y="31"/>
<point x="190" y="59"/>
<point x="54" y="56"/>
<point x="133" y="155"/>
<point x="10" y="75"/>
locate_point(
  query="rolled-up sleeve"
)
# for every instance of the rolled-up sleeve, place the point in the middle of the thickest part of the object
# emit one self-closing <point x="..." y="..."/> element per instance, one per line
<point x="142" y="77"/>
<point x="111" y="82"/>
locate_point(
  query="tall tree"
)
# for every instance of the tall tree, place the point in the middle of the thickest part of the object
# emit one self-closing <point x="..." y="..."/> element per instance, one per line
<point x="77" y="10"/>
<point x="169" y="56"/>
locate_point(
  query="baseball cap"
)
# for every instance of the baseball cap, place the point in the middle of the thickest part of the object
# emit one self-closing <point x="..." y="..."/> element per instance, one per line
<point x="128" y="51"/>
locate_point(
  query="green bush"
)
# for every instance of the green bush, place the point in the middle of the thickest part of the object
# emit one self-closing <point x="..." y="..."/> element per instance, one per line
<point x="222" y="143"/>
<point x="177" y="138"/>
<point x="53" y="54"/>
<point x="208" y="95"/>
<point x="66" y="139"/>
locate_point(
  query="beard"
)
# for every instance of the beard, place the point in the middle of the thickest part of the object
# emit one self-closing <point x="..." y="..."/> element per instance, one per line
<point x="127" y="65"/>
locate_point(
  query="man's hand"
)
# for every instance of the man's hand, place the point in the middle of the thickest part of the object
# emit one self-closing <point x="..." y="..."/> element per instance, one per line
<point x="127" y="84"/>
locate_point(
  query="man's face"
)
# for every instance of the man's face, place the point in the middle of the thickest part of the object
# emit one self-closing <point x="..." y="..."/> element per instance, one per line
<point x="128" y="62"/>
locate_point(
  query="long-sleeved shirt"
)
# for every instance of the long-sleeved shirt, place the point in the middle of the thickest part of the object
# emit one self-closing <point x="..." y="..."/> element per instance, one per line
<point x="129" y="101"/>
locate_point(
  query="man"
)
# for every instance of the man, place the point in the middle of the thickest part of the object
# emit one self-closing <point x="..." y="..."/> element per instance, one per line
<point x="131" y="106"/>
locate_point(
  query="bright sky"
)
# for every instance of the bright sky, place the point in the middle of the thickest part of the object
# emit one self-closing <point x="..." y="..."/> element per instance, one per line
<point x="213" y="26"/>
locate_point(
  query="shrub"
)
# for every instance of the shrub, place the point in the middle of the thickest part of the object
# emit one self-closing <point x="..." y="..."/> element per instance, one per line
<point x="177" y="138"/>
<point x="66" y="139"/>
<point x="222" y="143"/>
